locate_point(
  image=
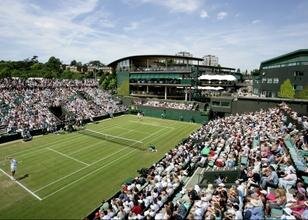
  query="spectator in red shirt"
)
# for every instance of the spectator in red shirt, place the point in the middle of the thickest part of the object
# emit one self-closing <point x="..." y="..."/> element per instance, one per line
<point x="137" y="208"/>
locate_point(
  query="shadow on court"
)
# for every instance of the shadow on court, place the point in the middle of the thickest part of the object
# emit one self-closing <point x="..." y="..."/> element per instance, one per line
<point x="22" y="177"/>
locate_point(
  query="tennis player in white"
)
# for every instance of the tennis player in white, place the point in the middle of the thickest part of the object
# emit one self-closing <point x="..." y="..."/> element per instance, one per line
<point x="13" y="163"/>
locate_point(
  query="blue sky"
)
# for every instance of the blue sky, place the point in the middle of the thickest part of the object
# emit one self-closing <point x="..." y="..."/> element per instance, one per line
<point x="242" y="33"/>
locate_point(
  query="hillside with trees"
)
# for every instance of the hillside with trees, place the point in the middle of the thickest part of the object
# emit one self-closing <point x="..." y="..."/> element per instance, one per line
<point x="54" y="68"/>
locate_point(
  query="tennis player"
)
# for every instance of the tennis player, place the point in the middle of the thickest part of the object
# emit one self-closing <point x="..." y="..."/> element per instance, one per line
<point x="13" y="163"/>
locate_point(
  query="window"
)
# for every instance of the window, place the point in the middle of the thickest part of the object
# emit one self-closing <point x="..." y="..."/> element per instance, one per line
<point x="270" y="80"/>
<point x="216" y="103"/>
<point x="276" y="80"/>
<point x="299" y="73"/>
<point x="298" y="87"/>
<point x="264" y="80"/>
<point x="225" y="104"/>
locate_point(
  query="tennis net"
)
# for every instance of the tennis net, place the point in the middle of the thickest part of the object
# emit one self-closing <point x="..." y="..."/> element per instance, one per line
<point x="116" y="139"/>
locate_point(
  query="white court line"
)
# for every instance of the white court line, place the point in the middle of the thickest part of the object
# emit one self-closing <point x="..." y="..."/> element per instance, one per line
<point x="62" y="141"/>
<point x="25" y="188"/>
<point x="92" y="164"/>
<point x="64" y="155"/>
<point x="97" y="143"/>
<point x="51" y="183"/>
<point x="79" y="170"/>
<point x="127" y="129"/>
<point x="109" y="135"/>
<point x="94" y="171"/>
<point x="35" y="150"/>
<point x="144" y="123"/>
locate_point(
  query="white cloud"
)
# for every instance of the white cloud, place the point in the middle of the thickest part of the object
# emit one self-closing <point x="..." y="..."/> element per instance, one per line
<point x="87" y="33"/>
<point x="256" y="21"/>
<point x="221" y="15"/>
<point x="132" y="26"/>
<point x="186" y="6"/>
<point x="204" y="14"/>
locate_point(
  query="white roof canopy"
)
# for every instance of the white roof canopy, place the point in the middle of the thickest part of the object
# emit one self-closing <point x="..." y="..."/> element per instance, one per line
<point x="210" y="88"/>
<point x="217" y="77"/>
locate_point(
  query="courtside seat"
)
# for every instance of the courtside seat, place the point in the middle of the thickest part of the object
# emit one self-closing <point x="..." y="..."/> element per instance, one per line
<point x="244" y="160"/>
<point x="276" y="213"/>
<point x="305" y="178"/>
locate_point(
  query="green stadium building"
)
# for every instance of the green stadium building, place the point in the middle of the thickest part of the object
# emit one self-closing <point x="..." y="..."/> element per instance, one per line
<point x="169" y="76"/>
<point x="273" y="72"/>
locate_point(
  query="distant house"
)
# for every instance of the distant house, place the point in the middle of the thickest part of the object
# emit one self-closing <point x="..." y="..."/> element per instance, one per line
<point x="89" y="68"/>
<point x="104" y="69"/>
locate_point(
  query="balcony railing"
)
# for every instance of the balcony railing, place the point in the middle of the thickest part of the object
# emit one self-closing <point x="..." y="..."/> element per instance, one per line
<point x="176" y="69"/>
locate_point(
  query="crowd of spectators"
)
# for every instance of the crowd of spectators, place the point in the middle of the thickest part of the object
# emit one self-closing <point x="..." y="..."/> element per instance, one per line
<point x="25" y="103"/>
<point x="164" y="104"/>
<point x="268" y="184"/>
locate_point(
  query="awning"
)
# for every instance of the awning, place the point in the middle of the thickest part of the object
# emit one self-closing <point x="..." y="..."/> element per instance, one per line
<point x="155" y="76"/>
<point x="217" y="77"/>
<point x="210" y="88"/>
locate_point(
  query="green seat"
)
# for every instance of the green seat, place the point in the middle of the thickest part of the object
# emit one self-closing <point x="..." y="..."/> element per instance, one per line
<point x="305" y="178"/>
<point x="276" y="213"/>
<point x="205" y="151"/>
<point x="211" y="163"/>
<point x="244" y="160"/>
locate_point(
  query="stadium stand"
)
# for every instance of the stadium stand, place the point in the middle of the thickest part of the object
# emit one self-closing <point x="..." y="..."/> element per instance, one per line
<point x="164" y="104"/>
<point x="259" y="161"/>
<point x="37" y="103"/>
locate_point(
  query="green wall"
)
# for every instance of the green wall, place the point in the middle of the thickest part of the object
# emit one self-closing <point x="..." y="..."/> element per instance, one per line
<point x="173" y="114"/>
<point x="123" y="83"/>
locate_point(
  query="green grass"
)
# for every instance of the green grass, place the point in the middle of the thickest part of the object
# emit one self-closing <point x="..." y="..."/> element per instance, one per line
<point x="72" y="173"/>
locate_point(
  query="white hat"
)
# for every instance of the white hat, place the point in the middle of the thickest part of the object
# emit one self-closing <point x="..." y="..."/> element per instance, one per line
<point x="198" y="204"/>
<point x="288" y="211"/>
<point x="263" y="192"/>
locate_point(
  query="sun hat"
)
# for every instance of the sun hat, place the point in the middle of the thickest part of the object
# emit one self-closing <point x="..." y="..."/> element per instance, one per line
<point x="288" y="211"/>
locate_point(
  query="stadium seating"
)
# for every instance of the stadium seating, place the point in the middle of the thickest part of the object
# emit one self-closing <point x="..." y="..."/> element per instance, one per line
<point x="25" y="103"/>
<point x="254" y="150"/>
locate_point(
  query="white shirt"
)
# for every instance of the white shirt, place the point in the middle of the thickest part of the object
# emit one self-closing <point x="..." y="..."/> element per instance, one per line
<point x="13" y="164"/>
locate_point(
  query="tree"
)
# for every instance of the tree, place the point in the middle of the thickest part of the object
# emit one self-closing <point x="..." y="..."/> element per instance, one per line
<point x="303" y="94"/>
<point x="37" y="66"/>
<point x="255" y="72"/>
<point x="5" y="72"/>
<point x="238" y="70"/>
<point x="34" y="59"/>
<point x="105" y="83"/>
<point x="96" y="63"/>
<point x="53" y="63"/>
<point x="85" y="68"/>
<point x="73" y="63"/>
<point x="79" y="66"/>
<point x="112" y="84"/>
<point x="286" y="90"/>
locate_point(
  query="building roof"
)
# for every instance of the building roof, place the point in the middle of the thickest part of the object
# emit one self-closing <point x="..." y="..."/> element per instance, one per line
<point x="154" y="55"/>
<point x="210" y="88"/>
<point x="288" y="57"/>
<point x="217" y="77"/>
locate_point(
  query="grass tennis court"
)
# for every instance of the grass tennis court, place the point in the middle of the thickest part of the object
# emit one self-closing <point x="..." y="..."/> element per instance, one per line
<point x="66" y="176"/>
